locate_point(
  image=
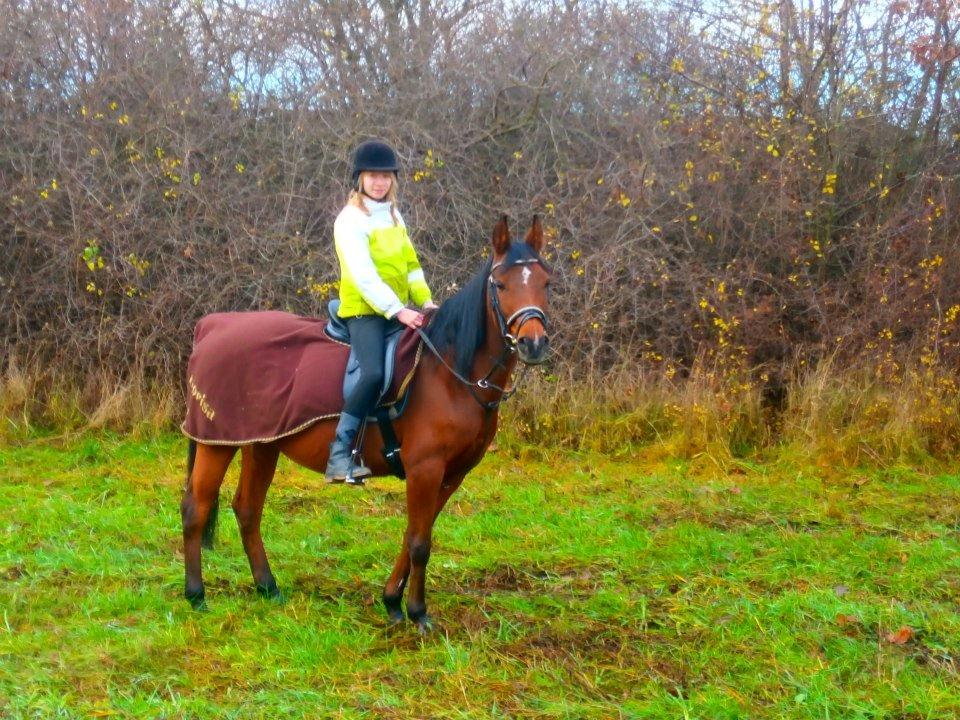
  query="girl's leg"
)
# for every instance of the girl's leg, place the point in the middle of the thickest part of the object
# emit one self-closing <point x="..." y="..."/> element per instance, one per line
<point x="367" y="340"/>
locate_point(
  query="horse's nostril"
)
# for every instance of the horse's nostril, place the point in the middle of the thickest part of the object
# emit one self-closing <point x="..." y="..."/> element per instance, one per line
<point x="534" y="348"/>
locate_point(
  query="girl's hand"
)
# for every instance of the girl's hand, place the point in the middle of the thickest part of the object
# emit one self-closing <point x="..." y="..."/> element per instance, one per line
<point x="410" y="318"/>
<point x="431" y="305"/>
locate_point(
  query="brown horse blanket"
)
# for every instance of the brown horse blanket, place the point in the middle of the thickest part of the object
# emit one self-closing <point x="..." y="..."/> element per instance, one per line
<point x="258" y="376"/>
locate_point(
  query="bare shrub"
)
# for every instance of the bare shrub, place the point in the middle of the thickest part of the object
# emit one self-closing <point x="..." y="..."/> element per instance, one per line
<point x="732" y="191"/>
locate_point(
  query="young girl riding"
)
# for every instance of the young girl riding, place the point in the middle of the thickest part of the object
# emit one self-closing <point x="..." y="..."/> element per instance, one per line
<point x="379" y="275"/>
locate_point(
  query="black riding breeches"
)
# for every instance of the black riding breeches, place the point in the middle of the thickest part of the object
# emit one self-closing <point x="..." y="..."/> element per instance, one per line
<point x="367" y="338"/>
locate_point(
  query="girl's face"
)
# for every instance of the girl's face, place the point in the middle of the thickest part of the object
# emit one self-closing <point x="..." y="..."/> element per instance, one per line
<point x="376" y="184"/>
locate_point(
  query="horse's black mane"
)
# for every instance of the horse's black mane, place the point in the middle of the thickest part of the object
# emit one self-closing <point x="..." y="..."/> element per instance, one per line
<point x="461" y="321"/>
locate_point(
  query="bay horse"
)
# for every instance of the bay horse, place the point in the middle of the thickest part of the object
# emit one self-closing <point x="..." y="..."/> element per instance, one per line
<point x="448" y="424"/>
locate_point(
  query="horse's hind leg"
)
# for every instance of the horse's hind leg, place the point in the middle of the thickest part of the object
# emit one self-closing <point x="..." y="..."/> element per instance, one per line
<point x="258" y="465"/>
<point x="199" y="500"/>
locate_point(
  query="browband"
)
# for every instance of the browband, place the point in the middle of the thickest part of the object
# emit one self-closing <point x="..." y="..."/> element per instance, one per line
<point x="528" y="261"/>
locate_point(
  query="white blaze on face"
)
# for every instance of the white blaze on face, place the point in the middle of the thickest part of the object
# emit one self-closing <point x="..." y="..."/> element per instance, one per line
<point x="526" y="275"/>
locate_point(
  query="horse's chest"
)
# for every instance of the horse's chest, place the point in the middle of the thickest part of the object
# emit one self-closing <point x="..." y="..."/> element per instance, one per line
<point x="475" y="439"/>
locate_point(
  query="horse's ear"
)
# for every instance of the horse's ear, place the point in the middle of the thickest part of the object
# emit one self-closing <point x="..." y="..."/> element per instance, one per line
<point x="534" y="236"/>
<point x="501" y="236"/>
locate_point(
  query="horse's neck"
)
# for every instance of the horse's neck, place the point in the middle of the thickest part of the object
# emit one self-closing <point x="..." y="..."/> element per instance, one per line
<point x="490" y="362"/>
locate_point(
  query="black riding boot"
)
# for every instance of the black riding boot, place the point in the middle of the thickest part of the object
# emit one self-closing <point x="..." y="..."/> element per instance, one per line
<point x="340" y="466"/>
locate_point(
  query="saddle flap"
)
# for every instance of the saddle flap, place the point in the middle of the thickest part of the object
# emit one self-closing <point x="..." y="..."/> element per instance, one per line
<point x="336" y="327"/>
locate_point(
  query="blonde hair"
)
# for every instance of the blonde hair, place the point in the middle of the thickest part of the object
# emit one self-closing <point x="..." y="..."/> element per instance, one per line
<point x="356" y="198"/>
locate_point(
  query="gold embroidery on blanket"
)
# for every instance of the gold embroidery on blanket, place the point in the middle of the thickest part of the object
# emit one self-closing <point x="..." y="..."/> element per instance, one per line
<point x="201" y="399"/>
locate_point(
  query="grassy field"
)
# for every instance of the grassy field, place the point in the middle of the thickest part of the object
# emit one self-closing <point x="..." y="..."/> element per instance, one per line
<point x="576" y="586"/>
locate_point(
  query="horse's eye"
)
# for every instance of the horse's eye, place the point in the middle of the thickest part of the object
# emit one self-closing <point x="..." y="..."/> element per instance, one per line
<point x="499" y="285"/>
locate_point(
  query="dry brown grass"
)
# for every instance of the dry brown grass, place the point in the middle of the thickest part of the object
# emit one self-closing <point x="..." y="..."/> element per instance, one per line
<point x="831" y="415"/>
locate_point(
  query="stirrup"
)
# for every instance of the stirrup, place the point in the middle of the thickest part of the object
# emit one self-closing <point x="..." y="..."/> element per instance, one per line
<point x="353" y="476"/>
<point x="358" y="471"/>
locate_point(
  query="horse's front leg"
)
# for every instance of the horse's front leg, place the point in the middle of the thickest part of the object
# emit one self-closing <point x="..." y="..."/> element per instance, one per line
<point x="424" y="483"/>
<point x="393" y="591"/>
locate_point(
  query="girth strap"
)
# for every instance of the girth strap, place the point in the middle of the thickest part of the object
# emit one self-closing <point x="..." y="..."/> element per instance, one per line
<point x="391" y="446"/>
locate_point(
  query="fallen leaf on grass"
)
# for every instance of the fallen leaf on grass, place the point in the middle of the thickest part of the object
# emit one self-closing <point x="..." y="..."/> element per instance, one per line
<point x="902" y="636"/>
<point x="845" y="620"/>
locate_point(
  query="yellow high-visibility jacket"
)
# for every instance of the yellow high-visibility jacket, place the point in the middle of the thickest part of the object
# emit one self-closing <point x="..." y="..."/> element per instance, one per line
<point x="379" y="269"/>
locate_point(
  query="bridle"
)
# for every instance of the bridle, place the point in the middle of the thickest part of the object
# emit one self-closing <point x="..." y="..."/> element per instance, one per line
<point x="528" y="312"/>
<point x="510" y="340"/>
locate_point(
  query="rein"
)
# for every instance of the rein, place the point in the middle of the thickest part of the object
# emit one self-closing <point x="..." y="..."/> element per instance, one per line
<point x="524" y="314"/>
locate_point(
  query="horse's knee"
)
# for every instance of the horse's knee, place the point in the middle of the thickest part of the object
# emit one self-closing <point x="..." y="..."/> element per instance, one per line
<point x="420" y="551"/>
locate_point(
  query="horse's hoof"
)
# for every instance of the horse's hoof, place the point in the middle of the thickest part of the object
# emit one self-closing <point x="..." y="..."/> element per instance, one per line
<point x="395" y="619"/>
<point x="425" y="625"/>
<point x="197" y="601"/>
<point x="272" y="593"/>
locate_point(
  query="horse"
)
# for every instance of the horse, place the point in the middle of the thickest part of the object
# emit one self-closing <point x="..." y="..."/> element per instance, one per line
<point x="498" y="318"/>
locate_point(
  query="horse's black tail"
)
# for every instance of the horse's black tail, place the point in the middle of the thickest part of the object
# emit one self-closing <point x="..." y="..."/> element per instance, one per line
<point x="210" y="526"/>
<point x="191" y="458"/>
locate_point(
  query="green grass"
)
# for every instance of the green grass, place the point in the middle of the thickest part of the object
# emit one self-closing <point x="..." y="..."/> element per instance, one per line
<point x="575" y="587"/>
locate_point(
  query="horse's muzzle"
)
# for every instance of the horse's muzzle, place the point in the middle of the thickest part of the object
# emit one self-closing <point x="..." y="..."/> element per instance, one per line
<point x="533" y="350"/>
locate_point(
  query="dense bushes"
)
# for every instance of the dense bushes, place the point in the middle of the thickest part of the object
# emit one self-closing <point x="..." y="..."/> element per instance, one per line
<point x="736" y="191"/>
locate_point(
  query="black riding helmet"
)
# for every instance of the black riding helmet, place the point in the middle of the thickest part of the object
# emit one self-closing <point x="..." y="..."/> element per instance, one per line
<point x="374" y="155"/>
